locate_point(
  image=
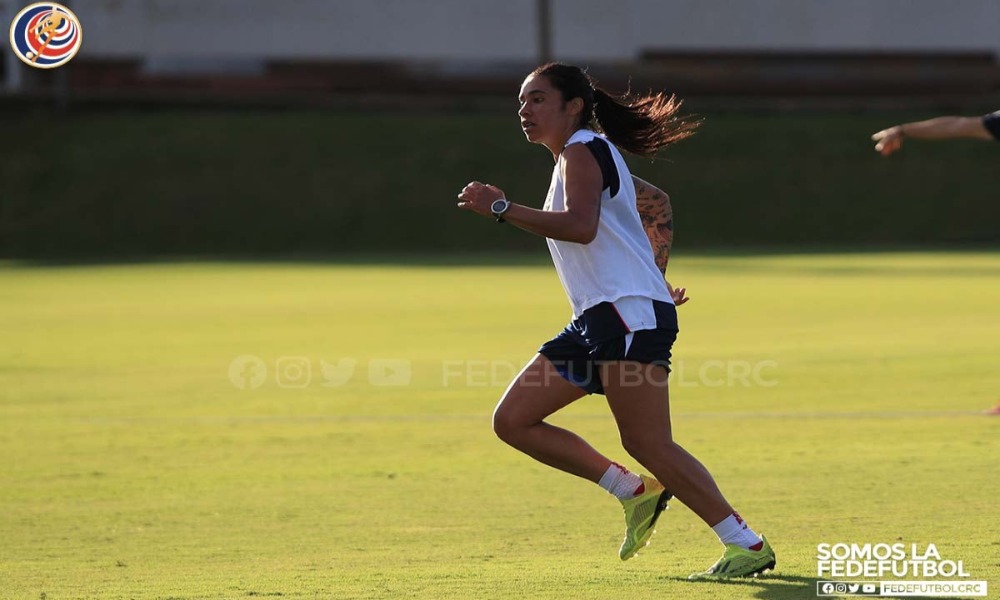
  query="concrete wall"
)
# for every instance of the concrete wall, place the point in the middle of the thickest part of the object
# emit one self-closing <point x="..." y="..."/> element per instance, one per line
<point x="505" y="30"/>
<point x="762" y="25"/>
<point x="328" y="29"/>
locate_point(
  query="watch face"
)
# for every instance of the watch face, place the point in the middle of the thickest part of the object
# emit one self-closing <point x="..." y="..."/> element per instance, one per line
<point x="499" y="206"/>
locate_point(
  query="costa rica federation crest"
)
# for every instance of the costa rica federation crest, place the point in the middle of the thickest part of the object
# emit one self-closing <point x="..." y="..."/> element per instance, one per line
<point x="45" y="35"/>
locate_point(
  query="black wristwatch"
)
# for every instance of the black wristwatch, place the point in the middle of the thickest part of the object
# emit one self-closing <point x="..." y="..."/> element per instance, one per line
<point x="499" y="207"/>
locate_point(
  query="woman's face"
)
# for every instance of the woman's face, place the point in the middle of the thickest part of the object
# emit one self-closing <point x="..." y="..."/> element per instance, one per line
<point x="545" y="117"/>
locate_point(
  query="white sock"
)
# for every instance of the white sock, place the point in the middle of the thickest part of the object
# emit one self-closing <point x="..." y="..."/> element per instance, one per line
<point x="732" y="530"/>
<point x="620" y="482"/>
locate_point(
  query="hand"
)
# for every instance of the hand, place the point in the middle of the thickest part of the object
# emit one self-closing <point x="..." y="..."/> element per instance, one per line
<point x="479" y="197"/>
<point x="679" y="295"/>
<point x="888" y="140"/>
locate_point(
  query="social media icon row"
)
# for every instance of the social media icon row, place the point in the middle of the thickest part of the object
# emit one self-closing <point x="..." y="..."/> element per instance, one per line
<point x="249" y="372"/>
<point x="847" y="588"/>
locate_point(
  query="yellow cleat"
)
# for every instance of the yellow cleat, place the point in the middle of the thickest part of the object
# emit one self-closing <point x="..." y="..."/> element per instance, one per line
<point x="740" y="562"/>
<point x="641" y="513"/>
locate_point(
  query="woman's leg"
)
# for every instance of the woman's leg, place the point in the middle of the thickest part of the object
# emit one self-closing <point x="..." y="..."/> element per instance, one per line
<point x="638" y="396"/>
<point x="537" y="392"/>
<point x="519" y="420"/>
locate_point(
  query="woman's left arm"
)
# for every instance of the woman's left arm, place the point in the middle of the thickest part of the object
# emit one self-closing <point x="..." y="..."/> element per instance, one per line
<point x="577" y="222"/>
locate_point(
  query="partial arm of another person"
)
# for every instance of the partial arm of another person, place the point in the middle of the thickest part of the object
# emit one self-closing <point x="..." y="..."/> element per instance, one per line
<point x="576" y="223"/>
<point x="891" y="139"/>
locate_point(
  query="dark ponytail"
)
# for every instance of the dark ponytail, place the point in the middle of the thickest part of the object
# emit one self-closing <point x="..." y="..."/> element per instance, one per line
<point x="640" y="125"/>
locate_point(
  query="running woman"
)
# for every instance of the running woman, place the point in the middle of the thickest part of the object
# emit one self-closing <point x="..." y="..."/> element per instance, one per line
<point x="624" y="318"/>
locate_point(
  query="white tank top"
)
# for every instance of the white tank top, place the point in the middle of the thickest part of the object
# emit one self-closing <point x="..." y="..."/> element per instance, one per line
<point x="618" y="264"/>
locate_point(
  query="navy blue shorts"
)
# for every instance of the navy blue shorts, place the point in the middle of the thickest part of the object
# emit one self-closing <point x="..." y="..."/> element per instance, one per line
<point x="599" y="335"/>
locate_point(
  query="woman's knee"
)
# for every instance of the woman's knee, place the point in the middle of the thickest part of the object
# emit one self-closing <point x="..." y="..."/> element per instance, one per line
<point x="506" y="426"/>
<point x="647" y="448"/>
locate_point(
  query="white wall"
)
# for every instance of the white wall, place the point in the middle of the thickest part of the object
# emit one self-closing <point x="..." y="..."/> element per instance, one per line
<point x="309" y="28"/>
<point x="819" y="25"/>
<point x="505" y="30"/>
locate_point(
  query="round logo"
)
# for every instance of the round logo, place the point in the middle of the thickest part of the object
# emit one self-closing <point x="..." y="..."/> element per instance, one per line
<point x="45" y="35"/>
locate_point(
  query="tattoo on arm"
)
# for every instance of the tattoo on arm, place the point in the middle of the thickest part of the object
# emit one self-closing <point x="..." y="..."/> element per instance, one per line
<point x="657" y="217"/>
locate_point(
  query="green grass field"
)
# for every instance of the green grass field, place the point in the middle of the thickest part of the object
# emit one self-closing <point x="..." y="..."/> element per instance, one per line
<point x="836" y="398"/>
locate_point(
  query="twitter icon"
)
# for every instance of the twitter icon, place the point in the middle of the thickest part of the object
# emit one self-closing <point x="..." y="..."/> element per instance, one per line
<point x="339" y="373"/>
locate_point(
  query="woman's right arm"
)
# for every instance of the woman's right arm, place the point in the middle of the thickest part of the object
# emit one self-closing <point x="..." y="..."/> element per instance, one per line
<point x="657" y="217"/>
<point x="658" y="220"/>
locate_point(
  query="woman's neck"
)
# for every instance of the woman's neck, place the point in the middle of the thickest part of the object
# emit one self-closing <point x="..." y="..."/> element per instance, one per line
<point x="557" y="147"/>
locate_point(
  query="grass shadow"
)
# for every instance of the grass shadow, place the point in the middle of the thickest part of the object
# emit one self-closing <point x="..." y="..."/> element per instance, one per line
<point x="772" y="586"/>
<point x="489" y="258"/>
